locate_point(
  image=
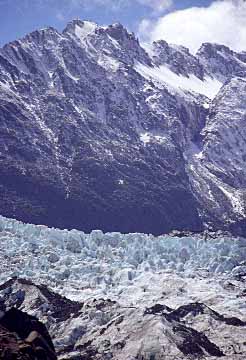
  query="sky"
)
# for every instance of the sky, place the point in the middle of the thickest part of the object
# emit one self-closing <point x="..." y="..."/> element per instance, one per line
<point x="185" y="22"/>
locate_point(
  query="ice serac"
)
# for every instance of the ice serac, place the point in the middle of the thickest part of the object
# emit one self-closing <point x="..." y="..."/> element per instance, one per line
<point x="96" y="132"/>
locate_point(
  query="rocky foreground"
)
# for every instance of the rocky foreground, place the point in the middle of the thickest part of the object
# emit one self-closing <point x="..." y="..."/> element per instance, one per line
<point x="23" y="337"/>
<point x="104" y="329"/>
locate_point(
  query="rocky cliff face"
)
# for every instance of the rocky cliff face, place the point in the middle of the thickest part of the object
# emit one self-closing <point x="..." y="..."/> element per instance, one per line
<point x="98" y="133"/>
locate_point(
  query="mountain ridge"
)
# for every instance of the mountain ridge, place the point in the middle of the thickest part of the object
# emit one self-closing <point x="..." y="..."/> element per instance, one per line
<point x="90" y="140"/>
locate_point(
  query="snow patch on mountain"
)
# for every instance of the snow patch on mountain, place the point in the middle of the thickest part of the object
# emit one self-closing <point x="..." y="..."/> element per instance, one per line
<point x="85" y="30"/>
<point x="109" y="63"/>
<point x="162" y="74"/>
<point x="147" y="137"/>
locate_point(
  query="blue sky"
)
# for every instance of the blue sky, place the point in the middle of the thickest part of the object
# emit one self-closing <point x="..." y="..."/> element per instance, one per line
<point x="18" y="17"/>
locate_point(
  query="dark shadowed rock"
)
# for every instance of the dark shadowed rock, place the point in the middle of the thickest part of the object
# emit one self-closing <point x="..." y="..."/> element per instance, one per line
<point x="23" y="337"/>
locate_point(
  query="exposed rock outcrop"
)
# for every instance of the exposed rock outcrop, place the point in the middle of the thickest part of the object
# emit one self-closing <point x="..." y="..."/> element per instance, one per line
<point x="23" y="337"/>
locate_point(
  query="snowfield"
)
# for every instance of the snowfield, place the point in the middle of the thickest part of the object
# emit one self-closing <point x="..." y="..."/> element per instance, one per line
<point x="162" y="74"/>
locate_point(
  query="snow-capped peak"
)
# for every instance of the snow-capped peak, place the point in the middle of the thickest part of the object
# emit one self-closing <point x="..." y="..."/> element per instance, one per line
<point x="80" y="29"/>
<point x="85" y="30"/>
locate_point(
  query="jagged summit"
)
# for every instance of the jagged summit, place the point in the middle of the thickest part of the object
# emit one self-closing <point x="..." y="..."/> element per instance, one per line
<point x="165" y="45"/>
<point x="119" y="32"/>
<point x="221" y="60"/>
<point x="178" y="58"/>
<point x="80" y="28"/>
<point x="213" y="48"/>
<point x="39" y="35"/>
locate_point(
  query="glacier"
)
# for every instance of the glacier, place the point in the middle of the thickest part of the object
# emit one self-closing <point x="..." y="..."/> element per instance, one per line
<point x="128" y="296"/>
<point x="107" y="263"/>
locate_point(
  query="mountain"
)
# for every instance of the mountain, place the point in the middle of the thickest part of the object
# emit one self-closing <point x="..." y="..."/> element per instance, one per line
<point x="97" y="132"/>
<point x="133" y="296"/>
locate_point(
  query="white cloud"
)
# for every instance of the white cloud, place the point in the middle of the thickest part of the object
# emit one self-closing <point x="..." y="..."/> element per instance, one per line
<point x="222" y="22"/>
